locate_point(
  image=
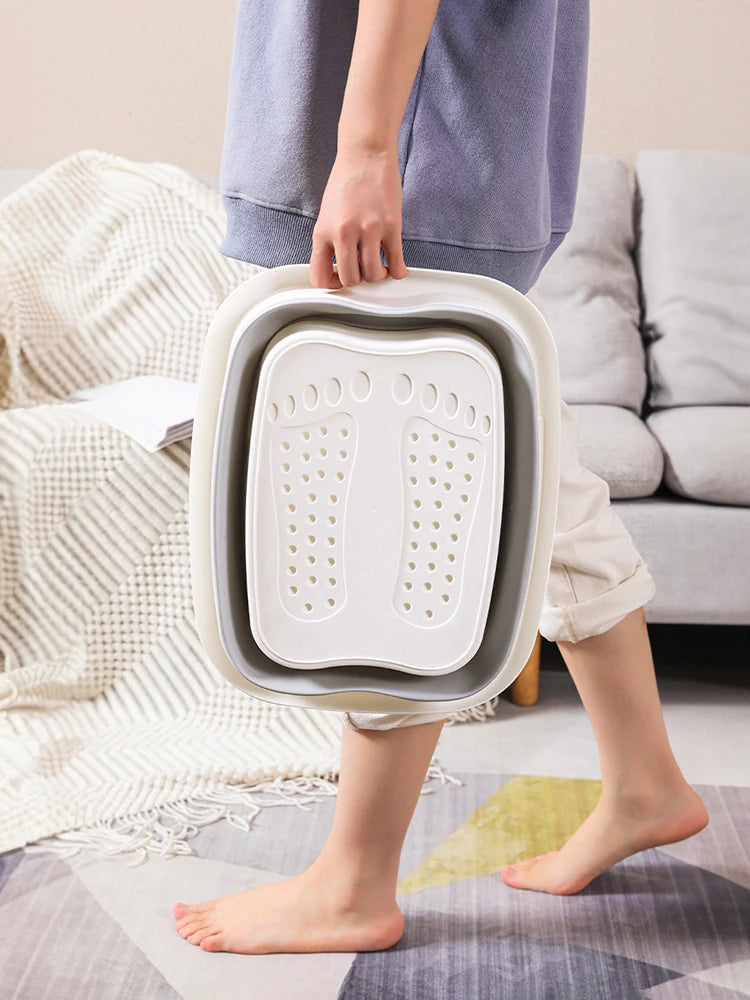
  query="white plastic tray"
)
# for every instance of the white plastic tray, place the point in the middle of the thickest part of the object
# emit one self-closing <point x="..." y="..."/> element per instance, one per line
<point x="374" y="497"/>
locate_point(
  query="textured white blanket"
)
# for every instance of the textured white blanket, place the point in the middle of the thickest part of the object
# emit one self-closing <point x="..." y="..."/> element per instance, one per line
<point x="112" y="719"/>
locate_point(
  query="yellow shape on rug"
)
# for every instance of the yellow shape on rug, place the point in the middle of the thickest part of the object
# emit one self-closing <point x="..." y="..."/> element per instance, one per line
<point x="529" y="815"/>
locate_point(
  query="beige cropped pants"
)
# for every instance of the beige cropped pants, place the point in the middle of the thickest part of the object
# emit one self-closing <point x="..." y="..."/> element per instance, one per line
<point x="596" y="577"/>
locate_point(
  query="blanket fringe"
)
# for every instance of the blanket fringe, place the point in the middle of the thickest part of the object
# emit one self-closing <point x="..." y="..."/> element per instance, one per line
<point x="146" y="832"/>
<point x="480" y="713"/>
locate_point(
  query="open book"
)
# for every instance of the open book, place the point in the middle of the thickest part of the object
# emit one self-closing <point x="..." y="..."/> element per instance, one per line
<point x="152" y="409"/>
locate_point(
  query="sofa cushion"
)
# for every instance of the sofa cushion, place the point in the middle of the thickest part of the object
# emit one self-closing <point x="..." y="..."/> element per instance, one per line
<point x="589" y="291"/>
<point x="617" y="446"/>
<point x="694" y="259"/>
<point x="706" y="451"/>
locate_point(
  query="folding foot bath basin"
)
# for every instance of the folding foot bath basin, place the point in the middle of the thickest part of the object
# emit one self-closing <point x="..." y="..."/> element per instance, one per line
<point x="373" y="488"/>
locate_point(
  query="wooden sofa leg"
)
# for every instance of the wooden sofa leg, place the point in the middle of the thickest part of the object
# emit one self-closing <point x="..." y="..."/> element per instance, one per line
<point x="525" y="688"/>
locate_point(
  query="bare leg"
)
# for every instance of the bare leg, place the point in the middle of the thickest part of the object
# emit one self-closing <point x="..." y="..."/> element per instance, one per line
<point x="645" y="800"/>
<point x="346" y="900"/>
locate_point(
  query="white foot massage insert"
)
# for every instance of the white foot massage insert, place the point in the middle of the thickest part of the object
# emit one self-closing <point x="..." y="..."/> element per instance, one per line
<point x="374" y="496"/>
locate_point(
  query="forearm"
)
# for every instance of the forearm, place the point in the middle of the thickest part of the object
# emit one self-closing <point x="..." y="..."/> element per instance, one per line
<point x="390" y="39"/>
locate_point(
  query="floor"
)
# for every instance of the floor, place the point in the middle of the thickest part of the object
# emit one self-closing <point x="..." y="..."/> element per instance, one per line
<point x="667" y="924"/>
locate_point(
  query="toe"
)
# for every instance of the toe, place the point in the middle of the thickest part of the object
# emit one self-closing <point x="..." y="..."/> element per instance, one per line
<point x="213" y="942"/>
<point x="205" y="930"/>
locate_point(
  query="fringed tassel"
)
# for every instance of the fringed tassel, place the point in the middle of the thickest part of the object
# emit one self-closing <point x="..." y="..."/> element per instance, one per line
<point x="146" y="832"/>
<point x="480" y="713"/>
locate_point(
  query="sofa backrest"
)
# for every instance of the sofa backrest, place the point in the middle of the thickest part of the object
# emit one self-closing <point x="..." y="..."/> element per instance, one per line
<point x="693" y="253"/>
<point x="589" y="290"/>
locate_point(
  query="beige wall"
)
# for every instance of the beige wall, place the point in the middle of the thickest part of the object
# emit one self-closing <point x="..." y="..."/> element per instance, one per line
<point x="147" y="79"/>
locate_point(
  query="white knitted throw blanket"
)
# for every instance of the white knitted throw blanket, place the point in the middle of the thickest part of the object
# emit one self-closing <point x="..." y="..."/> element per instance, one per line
<point x="116" y="732"/>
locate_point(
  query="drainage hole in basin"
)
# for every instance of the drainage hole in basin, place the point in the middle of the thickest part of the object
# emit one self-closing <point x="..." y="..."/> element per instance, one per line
<point x="285" y="446"/>
<point x="447" y="487"/>
<point x="311" y="539"/>
<point x="406" y="607"/>
<point x="305" y="478"/>
<point x="331" y="581"/>
<point x="468" y="477"/>
<point x="464" y="498"/>
<point x="344" y="432"/>
<point x="413" y="480"/>
<point x="416" y="504"/>
<point x="433" y="546"/>
<point x="438" y="505"/>
<point x="444" y="598"/>
<point x="331" y="519"/>
<point x="454" y="538"/>
<point x="312" y="497"/>
<point x="436" y="525"/>
<point x="342" y="455"/>
<point x="412" y="459"/>
<point x="333" y="498"/>
<point x="292" y="590"/>
<point x="414" y="545"/>
<point x="486" y="425"/>
<point x="322" y="452"/>
<point x="273" y="412"/>
<point x="415" y="525"/>
<point x="451" y="558"/>
<point x="449" y="465"/>
<point x="471" y="456"/>
<point x="340" y="476"/>
<point x="412" y="566"/>
<point x="432" y="480"/>
<point x="311" y="519"/>
<point x="451" y="443"/>
<point x="331" y="561"/>
<point x="292" y="570"/>
<point x="433" y="459"/>
<point x="312" y="580"/>
<point x="322" y="431"/>
<point x="331" y="602"/>
<point x="448" y="578"/>
<point x="435" y="437"/>
<point x="431" y="567"/>
<point x="408" y="585"/>
<point x="414" y="436"/>
<point x="286" y="488"/>
<point x="292" y="529"/>
<point x="285" y="466"/>
<point x="428" y="613"/>
<point x="292" y="549"/>
<point x="291" y="508"/>
<point x="427" y="585"/>
<point x="311" y="560"/>
<point x="331" y="541"/>
<point x="320" y="474"/>
<point x="305" y="435"/>
<point x="308" y="607"/>
<point x="457" y="517"/>
<point x="305" y="456"/>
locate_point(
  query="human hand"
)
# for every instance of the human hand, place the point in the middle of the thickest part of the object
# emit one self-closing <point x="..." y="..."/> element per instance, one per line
<point x="360" y="209"/>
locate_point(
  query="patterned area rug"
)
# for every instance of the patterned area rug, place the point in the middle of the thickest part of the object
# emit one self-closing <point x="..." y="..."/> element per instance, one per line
<point x="671" y="923"/>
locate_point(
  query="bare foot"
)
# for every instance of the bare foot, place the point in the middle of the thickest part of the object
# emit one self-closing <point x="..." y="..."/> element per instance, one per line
<point x="615" y="829"/>
<point x="300" y="914"/>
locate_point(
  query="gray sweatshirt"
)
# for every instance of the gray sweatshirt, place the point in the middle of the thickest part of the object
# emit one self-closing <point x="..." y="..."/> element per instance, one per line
<point x="489" y="146"/>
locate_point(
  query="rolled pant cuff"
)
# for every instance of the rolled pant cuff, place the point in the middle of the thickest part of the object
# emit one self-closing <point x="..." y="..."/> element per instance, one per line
<point x="574" y="622"/>
<point x="391" y="720"/>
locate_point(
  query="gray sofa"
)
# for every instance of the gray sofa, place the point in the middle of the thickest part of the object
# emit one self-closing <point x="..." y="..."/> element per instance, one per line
<point x="649" y="301"/>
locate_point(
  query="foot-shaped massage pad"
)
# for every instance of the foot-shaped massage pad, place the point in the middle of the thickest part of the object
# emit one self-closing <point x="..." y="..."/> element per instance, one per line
<point x="374" y="497"/>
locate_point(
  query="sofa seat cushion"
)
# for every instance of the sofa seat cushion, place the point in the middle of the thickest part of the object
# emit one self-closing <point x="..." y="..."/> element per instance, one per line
<point x="589" y="292"/>
<point x="618" y="447"/>
<point x="706" y="451"/>
<point x="694" y="260"/>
